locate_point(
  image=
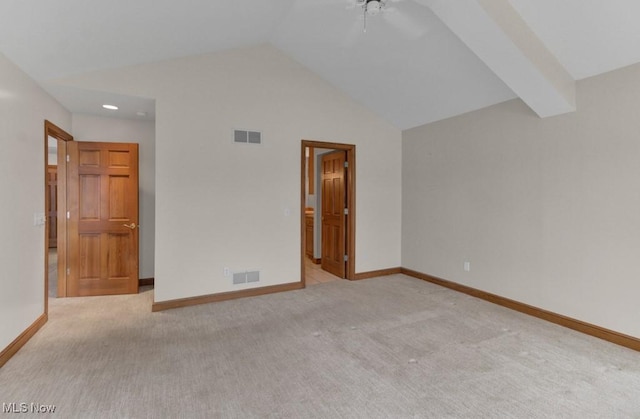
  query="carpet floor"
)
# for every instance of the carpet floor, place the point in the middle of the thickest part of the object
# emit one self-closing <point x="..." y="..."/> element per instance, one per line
<point x="391" y="347"/>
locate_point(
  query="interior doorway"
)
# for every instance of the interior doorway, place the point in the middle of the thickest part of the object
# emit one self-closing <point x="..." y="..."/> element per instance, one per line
<point x="55" y="174"/>
<point x="51" y="213"/>
<point x="327" y="222"/>
<point x="91" y="207"/>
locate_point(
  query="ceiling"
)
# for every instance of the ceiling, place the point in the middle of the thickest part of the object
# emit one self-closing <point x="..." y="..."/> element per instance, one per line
<point x="412" y="66"/>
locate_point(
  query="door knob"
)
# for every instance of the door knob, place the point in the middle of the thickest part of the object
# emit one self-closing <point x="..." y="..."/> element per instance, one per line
<point x="132" y="226"/>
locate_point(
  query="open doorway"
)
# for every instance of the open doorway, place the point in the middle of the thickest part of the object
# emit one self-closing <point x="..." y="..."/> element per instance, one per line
<point x="51" y="212"/>
<point x="327" y="212"/>
<point x="93" y="226"/>
<point x="55" y="169"/>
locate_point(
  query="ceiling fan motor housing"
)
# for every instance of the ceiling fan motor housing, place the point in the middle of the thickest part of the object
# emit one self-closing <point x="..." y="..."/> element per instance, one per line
<point x="373" y="6"/>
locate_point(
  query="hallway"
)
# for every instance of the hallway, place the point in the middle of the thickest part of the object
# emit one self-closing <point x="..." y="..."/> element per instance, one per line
<point x="315" y="275"/>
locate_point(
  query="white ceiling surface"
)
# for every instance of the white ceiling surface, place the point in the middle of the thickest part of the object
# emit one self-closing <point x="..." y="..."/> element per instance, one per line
<point x="408" y="67"/>
<point x="78" y="100"/>
<point x="588" y="37"/>
<point x="408" y="76"/>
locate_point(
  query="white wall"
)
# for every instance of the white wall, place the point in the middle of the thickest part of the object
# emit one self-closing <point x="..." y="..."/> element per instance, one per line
<point x="94" y="128"/>
<point x="220" y="204"/>
<point x="23" y="108"/>
<point x="547" y="211"/>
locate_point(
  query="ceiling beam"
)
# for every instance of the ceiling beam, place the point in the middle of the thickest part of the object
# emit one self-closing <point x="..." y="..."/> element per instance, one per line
<point x="498" y="35"/>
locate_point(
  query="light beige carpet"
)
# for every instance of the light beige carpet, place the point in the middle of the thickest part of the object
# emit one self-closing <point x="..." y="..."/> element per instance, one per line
<point x="392" y="347"/>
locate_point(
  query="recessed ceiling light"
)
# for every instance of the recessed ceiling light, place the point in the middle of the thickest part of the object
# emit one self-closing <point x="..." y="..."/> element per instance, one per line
<point x="110" y="107"/>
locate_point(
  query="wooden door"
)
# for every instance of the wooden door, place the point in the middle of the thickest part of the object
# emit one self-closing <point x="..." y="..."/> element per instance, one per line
<point x="333" y="213"/>
<point x="52" y="204"/>
<point x="103" y="218"/>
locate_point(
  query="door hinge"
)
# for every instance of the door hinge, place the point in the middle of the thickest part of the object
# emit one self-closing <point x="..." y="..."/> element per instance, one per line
<point x="346" y="258"/>
<point x="68" y="215"/>
<point x="68" y="158"/>
<point x="346" y="211"/>
<point x="346" y="164"/>
<point x="68" y="271"/>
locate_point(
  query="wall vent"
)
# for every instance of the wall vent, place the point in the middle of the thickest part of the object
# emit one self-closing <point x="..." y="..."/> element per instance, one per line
<point x="245" y="277"/>
<point x="253" y="276"/>
<point x="239" y="278"/>
<point x="247" y="137"/>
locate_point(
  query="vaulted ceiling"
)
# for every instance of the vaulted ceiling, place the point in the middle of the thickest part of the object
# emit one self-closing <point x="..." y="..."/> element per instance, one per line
<point x="419" y="61"/>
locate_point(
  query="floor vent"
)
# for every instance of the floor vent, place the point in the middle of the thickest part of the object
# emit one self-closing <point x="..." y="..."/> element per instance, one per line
<point x="247" y="137"/>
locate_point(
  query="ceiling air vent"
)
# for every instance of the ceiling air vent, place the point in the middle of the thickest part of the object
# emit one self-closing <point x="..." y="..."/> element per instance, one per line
<point x="247" y="137"/>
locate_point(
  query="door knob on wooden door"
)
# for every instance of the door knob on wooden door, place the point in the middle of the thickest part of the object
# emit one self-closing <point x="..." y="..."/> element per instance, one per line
<point x="132" y="226"/>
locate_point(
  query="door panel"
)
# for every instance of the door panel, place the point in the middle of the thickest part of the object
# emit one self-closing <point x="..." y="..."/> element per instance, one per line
<point x="89" y="257"/>
<point x="90" y="193"/>
<point x="333" y="217"/>
<point x="103" y="218"/>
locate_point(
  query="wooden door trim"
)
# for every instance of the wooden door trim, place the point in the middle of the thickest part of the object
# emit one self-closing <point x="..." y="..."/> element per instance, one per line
<point x="52" y="130"/>
<point x="350" y="172"/>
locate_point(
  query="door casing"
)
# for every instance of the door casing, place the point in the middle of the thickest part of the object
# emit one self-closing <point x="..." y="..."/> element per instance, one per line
<point x="52" y="130"/>
<point x="350" y="232"/>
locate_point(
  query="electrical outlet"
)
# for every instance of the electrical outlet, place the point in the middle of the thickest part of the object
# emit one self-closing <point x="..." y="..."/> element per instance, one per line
<point x="467" y="266"/>
<point x="227" y="272"/>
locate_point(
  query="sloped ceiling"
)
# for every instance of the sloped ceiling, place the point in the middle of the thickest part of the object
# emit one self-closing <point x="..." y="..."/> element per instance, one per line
<point x="422" y="61"/>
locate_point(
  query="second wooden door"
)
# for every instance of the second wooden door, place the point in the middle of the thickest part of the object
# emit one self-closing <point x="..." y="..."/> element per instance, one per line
<point x="333" y="213"/>
<point x="103" y="218"/>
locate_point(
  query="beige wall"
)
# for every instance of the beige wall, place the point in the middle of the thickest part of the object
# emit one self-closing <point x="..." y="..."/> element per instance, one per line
<point x="94" y="128"/>
<point x="220" y="204"/>
<point x="23" y="108"/>
<point x="547" y="211"/>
